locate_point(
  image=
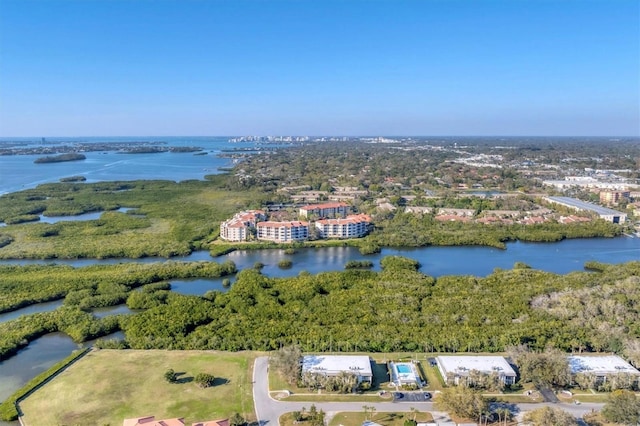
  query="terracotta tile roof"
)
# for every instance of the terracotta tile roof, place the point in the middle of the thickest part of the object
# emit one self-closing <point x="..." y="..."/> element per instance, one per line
<point x="151" y="421"/>
<point x="291" y="224"/>
<point x="452" y="218"/>
<point x="221" y="422"/>
<point x="324" y="206"/>
<point x="357" y="218"/>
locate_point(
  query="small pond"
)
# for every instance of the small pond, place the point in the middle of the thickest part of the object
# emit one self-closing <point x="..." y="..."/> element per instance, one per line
<point x="80" y="217"/>
<point x="111" y="310"/>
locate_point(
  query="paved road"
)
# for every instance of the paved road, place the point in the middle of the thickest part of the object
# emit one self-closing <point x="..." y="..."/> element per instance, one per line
<point x="269" y="410"/>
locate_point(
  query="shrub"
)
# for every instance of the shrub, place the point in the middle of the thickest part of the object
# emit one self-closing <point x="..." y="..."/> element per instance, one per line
<point x="369" y="248"/>
<point x="364" y="386"/>
<point x="399" y="262"/>
<point x="237" y="420"/>
<point x="285" y="264"/>
<point x="205" y="380"/>
<point x="5" y="240"/>
<point x="170" y="376"/>
<point x="358" y="264"/>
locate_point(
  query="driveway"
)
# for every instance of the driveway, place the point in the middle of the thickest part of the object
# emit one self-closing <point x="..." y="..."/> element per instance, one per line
<point x="269" y="410"/>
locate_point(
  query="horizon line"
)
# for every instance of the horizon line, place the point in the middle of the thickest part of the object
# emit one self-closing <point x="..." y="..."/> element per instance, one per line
<point x="323" y="136"/>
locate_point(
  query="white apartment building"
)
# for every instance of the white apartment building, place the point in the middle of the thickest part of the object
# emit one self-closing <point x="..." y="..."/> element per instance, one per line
<point x="325" y="210"/>
<point x="456" y="368"/>
<point x="602" y="367"/>
<point x="334" y="365"/>
<point x="283" y="232"/>
<point x="353" y="226"/>
<point x="238" y="227"/>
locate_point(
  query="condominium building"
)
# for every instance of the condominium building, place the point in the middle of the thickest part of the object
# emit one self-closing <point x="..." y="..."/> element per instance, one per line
<point x="613" y="197"/>
<point x="238" y="228"/>
<point x="603" y="368"/>
<point x="336" y="365"/>
<point x="325" y="210"/>
<point x="457" y="369"/>
<point x="282" y="232"/>
<point x="353" y="226"/>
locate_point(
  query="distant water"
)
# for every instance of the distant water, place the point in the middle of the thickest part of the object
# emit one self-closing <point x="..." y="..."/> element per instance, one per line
<point x="19" y="172"/>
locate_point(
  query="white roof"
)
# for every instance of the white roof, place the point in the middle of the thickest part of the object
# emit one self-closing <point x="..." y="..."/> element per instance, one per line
<point x="461" y="365"/>
<point x="600" y="364"/>
<point x="334" y="364"/>
<point x="583" y="205"/>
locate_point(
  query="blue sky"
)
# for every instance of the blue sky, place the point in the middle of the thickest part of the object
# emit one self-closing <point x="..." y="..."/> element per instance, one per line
<point x="316" y="67"/>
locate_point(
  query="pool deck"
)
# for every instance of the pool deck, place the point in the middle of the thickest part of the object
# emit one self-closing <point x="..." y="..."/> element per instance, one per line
<point x="403" y="373"/>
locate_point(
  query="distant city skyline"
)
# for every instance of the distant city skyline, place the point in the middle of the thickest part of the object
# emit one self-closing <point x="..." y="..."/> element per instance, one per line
<point x="325" y="67"/>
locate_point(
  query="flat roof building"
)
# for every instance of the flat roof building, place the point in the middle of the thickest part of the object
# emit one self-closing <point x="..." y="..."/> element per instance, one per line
<point x="600" y="365"/>
<point x="605" y="213"/>
<point x="453" y="368"/>
<point x="587" y="182"/>
<point x="600" y="369"/>
<point x="333" y="365"/>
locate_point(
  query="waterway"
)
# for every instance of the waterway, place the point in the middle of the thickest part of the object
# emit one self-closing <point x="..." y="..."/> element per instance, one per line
<point x="561" y="257"/>
<point x="32" y="309"/>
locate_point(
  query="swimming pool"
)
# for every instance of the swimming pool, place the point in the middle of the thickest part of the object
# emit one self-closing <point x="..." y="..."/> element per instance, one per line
<point x="404" y="373"/>
<point x="403" y="369"/>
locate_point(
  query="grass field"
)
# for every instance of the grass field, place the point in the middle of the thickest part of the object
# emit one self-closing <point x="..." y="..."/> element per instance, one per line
<point x="385" y="419"/>
<point x="107" y="386"/>
<point x="357" y="418"/>
<point x="333" y="397"/>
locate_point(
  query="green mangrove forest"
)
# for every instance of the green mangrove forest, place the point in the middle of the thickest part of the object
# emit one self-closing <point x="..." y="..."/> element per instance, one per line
<point x="396" y="309"/>
<point x="83" y="289"/>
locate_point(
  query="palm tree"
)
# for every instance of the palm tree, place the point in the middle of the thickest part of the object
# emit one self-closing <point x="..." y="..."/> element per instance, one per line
<point x="415" y="412"/>
<point x="504" y="413"/>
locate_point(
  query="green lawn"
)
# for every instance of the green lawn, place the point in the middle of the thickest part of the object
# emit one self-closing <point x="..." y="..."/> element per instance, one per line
<point x="434" y="378"/>
<point x="588" y="398"/>
<point x="107" y="386"/>
<point x="357" y="418"/>
<point x="334" y="397"/>
<point x="385" y="419"/>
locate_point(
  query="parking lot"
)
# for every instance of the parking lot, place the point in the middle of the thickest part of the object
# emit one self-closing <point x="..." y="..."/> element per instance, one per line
<point x="418" y="396"/>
